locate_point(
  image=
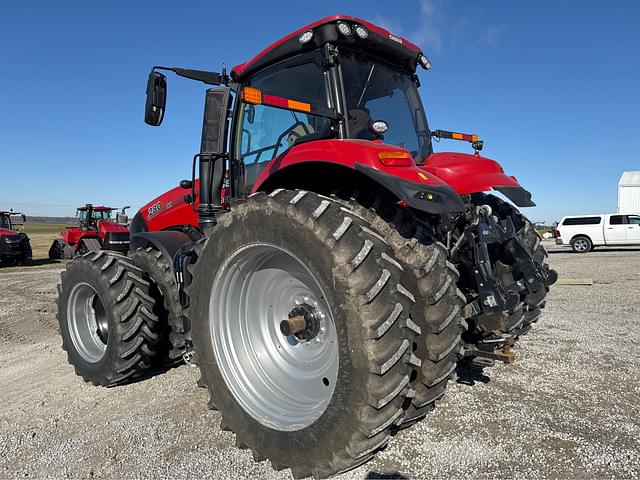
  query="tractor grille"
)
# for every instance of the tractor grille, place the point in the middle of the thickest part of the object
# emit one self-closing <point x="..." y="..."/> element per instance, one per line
<point x="118" y="241"/>
<point x="11" y="244"/>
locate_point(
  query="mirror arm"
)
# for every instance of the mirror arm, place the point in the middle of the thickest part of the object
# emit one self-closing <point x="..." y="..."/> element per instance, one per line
<point x="210" y="78"/>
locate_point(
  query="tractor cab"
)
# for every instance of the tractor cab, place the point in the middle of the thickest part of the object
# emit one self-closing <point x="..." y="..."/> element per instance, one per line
<point x="338" y="79"/>
<point x="5" y="221"/>
<point x="89" y="216"/>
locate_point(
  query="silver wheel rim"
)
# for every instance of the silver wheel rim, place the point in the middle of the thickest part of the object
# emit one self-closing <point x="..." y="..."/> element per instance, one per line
<point x="87" y="322"/>
<point x="581" y="245"/>
<point x="282" y="382"/>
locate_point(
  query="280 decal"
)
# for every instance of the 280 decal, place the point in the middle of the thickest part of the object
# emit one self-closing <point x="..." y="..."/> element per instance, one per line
<point x="153" y="209"/>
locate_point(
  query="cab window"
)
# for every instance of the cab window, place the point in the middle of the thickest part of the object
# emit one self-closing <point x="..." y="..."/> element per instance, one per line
<point x="634" y="220"/>
<point x="267" y="132"/>
<point x="101" y="215"/>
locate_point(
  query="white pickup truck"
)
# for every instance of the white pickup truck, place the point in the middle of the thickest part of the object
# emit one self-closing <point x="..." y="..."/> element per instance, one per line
<point x="585" y="232"/>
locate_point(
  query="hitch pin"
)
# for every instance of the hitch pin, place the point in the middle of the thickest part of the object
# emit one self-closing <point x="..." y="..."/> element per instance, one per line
<point x="506" y="355"/>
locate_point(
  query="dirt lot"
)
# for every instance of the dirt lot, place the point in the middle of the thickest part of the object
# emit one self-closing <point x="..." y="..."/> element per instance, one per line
<point x="568" y="407"/>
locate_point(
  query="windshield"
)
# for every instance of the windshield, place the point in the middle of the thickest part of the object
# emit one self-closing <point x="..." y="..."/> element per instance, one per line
<point x="95" y="215"/>
<point x="4" y="222"/>
<point x="375" y="91"/>
<point x="101" y="215"/>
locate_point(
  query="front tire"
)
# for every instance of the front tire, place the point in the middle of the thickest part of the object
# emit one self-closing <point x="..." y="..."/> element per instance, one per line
<point x="318" y="406"/>
<point x="106" y="322"/>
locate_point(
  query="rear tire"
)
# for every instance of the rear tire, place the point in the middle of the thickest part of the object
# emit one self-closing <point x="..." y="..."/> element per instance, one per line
<point x="336" y="262"/>
<point x="581" y="244"/>
<point x="105" y="314"/>
<point x="438" y="304"/>
<point x="168" y="308"/>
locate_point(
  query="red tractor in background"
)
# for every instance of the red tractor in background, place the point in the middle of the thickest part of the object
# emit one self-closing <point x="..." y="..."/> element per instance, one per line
<point x="14" y="246"/>
<point x="327" y="271"/>
<point x="95" y="231"/>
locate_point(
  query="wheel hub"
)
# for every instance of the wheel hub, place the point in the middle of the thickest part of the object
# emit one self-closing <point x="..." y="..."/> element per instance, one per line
<point x="303" y="322"/>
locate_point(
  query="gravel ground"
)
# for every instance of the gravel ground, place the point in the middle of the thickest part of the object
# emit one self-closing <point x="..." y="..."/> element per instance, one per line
<point x="568" y="407"/>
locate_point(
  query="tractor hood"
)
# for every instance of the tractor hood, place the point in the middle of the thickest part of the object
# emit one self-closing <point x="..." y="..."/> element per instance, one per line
<point x="6" y="231"/>
<point x="468" y="173"/>
<point x="108" y="227"/>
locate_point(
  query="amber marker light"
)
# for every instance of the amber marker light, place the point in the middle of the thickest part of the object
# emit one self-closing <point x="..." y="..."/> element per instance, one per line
<point x="252" y="95"/>
<point x="396" y="158"/>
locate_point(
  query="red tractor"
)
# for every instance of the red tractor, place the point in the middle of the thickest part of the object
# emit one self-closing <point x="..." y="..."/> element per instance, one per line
<point x="95" y="231"/>
<point x="327" y="271"/>
<point x="14" y="246"/>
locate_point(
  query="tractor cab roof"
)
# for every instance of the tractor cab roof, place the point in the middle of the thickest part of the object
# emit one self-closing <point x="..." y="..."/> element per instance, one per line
<point x="5" y="212"/>
<point x="342" y="30"/>
<point x="96" y="208"/>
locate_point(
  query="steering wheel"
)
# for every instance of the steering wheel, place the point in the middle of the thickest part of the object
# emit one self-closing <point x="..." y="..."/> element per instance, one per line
<point x="290" y="132"/>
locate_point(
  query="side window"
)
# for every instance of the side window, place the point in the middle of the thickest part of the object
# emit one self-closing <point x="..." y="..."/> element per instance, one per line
<point x="634" y="220"/>
<point x="617" y="220"/>
<point x="267" y="132"/>
<point x="581" y="221"/>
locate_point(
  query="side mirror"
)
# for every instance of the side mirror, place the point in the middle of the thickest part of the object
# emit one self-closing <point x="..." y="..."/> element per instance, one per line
<point x="250" y="110"/>
<point x="156" y="99"/>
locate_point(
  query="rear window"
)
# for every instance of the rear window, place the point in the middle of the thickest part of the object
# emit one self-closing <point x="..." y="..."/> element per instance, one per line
<point x="582" y="221"/>
<point x="301" y="78"/>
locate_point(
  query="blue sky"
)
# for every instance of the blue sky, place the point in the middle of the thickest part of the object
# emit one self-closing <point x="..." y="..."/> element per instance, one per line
<point x="551" y="86"/>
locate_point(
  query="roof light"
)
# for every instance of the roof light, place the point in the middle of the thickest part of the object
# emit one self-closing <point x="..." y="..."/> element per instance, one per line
<point x="361" y="31"/>
<point x="424" y="61"/>
<point x="305" y="37"/>
<point x="344" y="28"/>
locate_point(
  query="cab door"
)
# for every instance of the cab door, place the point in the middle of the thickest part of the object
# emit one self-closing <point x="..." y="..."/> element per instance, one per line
<point x="266" y="132"/>
<point x="633" y="229"/>
<point x="616" y="230"/>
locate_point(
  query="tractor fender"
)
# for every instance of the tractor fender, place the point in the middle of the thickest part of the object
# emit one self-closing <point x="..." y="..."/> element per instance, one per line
<point x="468" y="174"/>
<point x="167" y="242"/>
<point x="408" y="182"/>
<point x="433" y="199"/>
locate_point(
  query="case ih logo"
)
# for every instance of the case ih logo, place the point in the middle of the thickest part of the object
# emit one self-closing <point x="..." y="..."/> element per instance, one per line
<point x="395" y="39"/>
